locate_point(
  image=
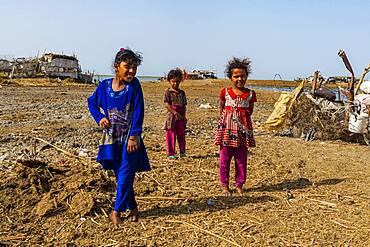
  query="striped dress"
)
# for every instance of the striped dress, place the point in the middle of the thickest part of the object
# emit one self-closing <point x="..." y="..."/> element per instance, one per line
<point x="235" y="127"/>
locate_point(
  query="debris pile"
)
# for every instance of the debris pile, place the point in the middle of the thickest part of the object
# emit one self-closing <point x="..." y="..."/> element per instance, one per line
<point x="319" y="113"/>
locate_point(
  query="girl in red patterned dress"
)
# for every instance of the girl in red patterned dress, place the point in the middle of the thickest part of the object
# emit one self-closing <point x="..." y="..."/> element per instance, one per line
<point x="235" y="130"/>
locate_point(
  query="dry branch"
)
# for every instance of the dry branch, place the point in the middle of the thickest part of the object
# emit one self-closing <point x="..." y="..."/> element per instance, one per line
<point x="336" y="222"/>
<point x="10" y="238"/>
<point x="57" y="148"/>
<point x="61" y="227"/>
<point x="203" y="230"/>
<point x="61" y="150"/>
<point x="105" y="214"/>
<point x="162" y="198"/>
<point x="323" y="202"/>
<point x="99" y="224"/>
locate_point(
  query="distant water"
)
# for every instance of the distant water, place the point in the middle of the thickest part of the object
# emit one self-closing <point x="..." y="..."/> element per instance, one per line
<point x="339" y="96"/>
<point x="140" y="77"/>
<point x="272" y="88"/>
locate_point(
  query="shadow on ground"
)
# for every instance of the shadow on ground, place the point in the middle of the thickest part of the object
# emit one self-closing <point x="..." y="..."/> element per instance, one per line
<point x="212" y="204"/>
<point x="207" y="204"/>
<point x="299" y="183"/>
<point x="214" y="155"/>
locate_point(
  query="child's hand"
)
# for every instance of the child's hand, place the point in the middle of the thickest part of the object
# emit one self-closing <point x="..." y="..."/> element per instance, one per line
<point x="104" y="123"/>
<point x="178" y="116"/>
<point x="133" y="144"/>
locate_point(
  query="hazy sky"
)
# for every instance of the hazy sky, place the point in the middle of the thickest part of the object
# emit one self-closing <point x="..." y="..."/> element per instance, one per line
<point x="292" y="38"/>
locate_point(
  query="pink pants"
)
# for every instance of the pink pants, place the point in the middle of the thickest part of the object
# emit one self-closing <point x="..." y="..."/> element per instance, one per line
<point x="240" y="155"/>
<point x="177" y="132"/>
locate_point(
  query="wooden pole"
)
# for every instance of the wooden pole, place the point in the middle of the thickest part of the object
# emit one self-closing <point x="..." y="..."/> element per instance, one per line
<point x="362" y="78"/>
<point x="314" y="82"/>
<point x="346" y="62"/>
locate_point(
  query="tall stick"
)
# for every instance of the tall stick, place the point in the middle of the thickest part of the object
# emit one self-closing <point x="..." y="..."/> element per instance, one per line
<point x="314" y="82"/>
<point x="362" y="78"/>
<point x="346" y="62"/>
<point x="159" y="198"/>
<point x="82" y="159"/>
<point x="57" y="148"/>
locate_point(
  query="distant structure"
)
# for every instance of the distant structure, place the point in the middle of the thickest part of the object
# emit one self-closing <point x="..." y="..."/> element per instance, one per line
<point x="339" y="79"/>
<point x="49" y="65"/>
<point x="277" y="75"/>
<point x="201" y="74"/>
<point x="5" y="66"/>
<point x="195" y="74"/>
<point x="57" y="65"/>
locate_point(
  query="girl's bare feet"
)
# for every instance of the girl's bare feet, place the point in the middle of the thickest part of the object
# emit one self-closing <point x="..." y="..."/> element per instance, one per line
<point x="133" y="215"/>
<point x="226" y="191"/>
<point x="239" y="190"/>
<point x="115" y="217"/>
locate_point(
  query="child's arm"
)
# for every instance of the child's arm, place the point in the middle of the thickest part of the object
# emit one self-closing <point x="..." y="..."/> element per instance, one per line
<point x="137" y="120"/>
<point x="251" y="102"/>
<point x="251" y="107"/>
<point x="222" y="106"/>
<point x="222" y="101"/>
<point x="175" y="113"/>
<point x="185" y="104"/>
<point x="138" y="114"/>
<point x="94" y="102"/>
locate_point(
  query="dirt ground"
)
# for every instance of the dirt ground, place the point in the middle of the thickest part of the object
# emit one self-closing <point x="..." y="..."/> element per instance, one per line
<point x="298" y="193"/>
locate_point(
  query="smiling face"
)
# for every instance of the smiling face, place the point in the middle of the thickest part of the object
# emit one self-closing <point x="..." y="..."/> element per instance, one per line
<point x="126" y="71"/>
<point x="238" y="78"/>
<point x="174" y="83"/>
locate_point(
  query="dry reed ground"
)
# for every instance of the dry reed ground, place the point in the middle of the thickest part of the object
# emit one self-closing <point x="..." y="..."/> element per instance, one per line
<point x="298" y="193"/>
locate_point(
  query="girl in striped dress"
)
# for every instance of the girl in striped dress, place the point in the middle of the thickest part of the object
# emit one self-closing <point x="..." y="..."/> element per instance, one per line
<point x="235" y="130"/>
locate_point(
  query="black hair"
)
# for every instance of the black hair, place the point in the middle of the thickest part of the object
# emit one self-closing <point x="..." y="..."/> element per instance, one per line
<point x="175" y="73"/>
<point x="128" y="56"/>
<point x="238" y="63"/>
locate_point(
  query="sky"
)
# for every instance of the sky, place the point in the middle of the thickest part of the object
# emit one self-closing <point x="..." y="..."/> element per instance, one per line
<point x="292" y="38"/>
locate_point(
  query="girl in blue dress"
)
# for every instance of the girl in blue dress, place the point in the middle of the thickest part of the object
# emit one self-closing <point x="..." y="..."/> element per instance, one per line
<point x="121" y="148"/>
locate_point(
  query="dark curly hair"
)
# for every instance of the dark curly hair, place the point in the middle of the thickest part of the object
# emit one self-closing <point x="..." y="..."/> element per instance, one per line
<point x="238" y="63"/>
<point x="128" y="56"/>
<point x="175" y="73"/>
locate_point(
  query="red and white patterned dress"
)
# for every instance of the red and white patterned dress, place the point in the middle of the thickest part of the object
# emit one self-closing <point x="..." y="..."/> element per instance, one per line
<point x="235" y="127"/>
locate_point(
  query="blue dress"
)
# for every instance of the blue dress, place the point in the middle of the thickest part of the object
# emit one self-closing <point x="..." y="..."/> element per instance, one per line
<point x="125" y="111"/>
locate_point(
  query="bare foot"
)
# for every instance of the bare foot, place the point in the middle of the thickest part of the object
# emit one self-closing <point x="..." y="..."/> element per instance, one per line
<point x="239" y="190"/>
<point x="225" y="191"/>
<point x="115" y="217"/>
<point x="133" y="215"/>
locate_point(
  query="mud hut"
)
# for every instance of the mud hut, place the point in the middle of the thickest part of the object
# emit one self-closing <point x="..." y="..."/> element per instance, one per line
<point x="58" y="65"/>
<point x="5" y="66"/>
<point x="49" y="65"/>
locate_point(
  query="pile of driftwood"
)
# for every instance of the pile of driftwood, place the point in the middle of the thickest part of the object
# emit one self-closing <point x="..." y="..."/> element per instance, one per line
<point x="317" y="118"/>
